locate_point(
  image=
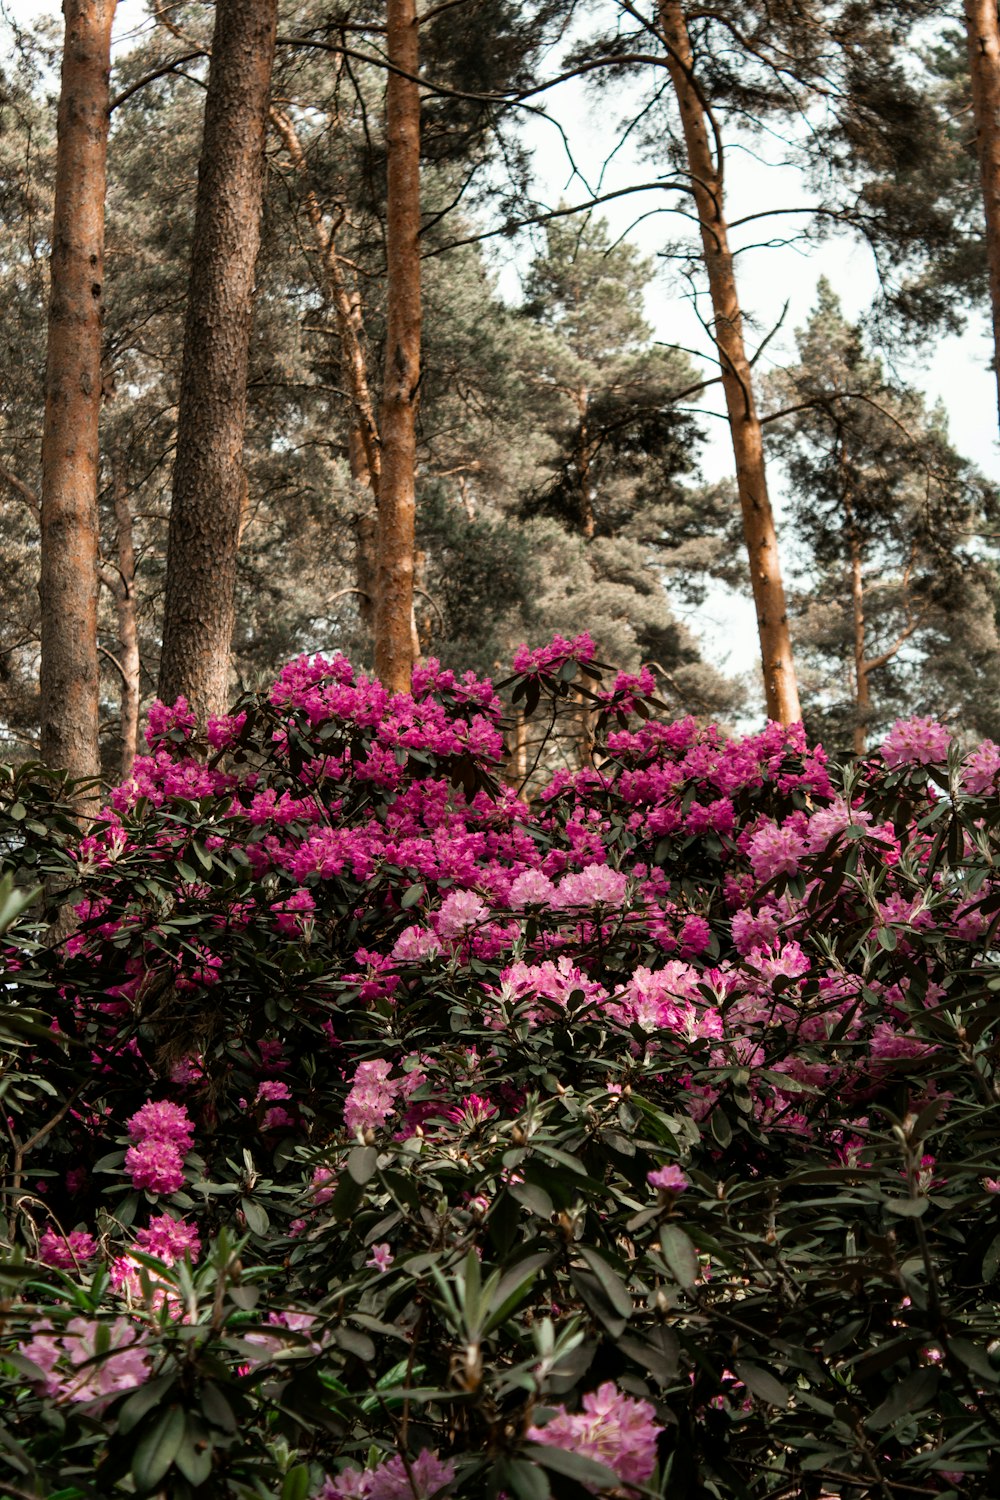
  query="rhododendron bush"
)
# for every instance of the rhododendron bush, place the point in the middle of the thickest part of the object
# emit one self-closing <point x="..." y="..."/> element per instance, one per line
<point x="374" y="1131"/>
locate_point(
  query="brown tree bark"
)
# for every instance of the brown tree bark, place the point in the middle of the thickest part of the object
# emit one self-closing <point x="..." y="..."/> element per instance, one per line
<point x="780" y="686"/>
<point x="982" y="30"/>
<point x="862" y="687"/>
<point x="68" y="584"/>
<point x="205" y="514"/>
<point x="121" y="583"/>
<point x="394" y="633"/>
<point x="364" y="453"/>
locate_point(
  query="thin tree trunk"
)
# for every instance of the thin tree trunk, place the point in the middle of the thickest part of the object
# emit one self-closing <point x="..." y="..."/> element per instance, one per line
<point x="748" y="447"/>
<point x="205" y="515"/>
<point x="982" y="30"/>
<point x="128" y="632"/>
<point x="68" y="584"/>
<point x="363" y="450"/>
<point x="862" y="687"/>
<point x="394" y="633"/>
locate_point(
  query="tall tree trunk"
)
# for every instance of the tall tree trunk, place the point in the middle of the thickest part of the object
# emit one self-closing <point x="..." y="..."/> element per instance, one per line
<point x="128" y="631"/>
<point x="394" y="632"/>
<point x="982" y="30"/>
<point x="748" y="446"/>
<point x="205" y="514"/>
<point x="68" y="584"/>
<point x="862" y="687"/>
<point x="363" y="449"/>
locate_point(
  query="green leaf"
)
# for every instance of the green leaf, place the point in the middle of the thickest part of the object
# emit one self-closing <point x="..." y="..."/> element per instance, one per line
<point x="362" y="1163"/>
<point x="585" y="1471"/>
<point x="907" y="1395"/>
<point x="158" y="1449"/>
<point x="907" y="1208"/>
<point x="411" y="896"/>
<point x="296" y="1483"/>
<point x="194" y="1456"/>
<point x="532" y="1197"/>
<point x="613" y="1286"/>
<point x="256" y="1216"/>
<point x="528" y="1481"/>
<point x="132" y="1411"/>
<point x="887" y="938"/>
<point x="762" y="1384"/>
<point x="680" y="1255"/>
<point x="991" y="1260"/>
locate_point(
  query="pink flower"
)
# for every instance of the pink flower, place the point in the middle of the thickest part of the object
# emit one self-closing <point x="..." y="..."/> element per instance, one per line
<point x="391" y="1481"/>
<point x="381" y="1257"/>
<point x="64" y="1252"/>
<point x="980" y="769"/>
<point x="460" y="911"/>
<point x="594" y="885"/>
<point x="915" y="742"/>
<point x="162" y="1121"/>
<point x="155" y="1165"/>
<point x="372" y="1098"/>
<point x="414" y="944"/>
<point x="272" y="1089"/>
<point x="531" y="888"/>
<point x="776" y="851"/>
<point x="669" y="1179"/>
<point x="75" y="1370"/>
<point x="612" y="1429"/>
<point x="168" y="1239"/>
<point x="324" y="1182"/>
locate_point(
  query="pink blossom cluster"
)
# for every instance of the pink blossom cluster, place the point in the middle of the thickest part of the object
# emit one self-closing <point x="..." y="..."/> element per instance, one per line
<point x="374" y="1096"/>
<point x="550" y="658"/>
<point x="163" y="1134"/>
<point x="612" y="1429"/>
<point x="90" y="1361"/>
<point x="419" y="1478"/>
<point x="916" y="742"/>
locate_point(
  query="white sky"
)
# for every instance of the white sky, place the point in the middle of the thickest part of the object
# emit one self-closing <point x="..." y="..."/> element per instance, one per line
<point x="954" y="369"/>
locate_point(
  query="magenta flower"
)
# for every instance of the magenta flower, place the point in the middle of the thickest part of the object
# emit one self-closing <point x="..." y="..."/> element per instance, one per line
<point x="156" y="1166"/>
<point x="65" y="1251"/>
<point x="169" y="1239"/>
<point x="165" y="1122"/>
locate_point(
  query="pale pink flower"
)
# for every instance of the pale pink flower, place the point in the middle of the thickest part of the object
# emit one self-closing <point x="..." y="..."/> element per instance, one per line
<point x="74" y="1368"/>
<point x="414" y="944"/>
<point x="391" y="1481"/>
<point x="380" y="1258"/>
<point x="372" y="1098"/>
<point x="594" y="885"/>
<point x="980" y="769"/>
<point x="460" y="911"/>
<point x="612" y="1429"/>
<point x="531" y="888"/>
<point x="915" y="742"/>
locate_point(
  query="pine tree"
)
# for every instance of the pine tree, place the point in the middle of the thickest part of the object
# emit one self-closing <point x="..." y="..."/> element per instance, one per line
<point x="73" y="387"/>
<point x="898" y="611"/>
<point x="210" y="485"/>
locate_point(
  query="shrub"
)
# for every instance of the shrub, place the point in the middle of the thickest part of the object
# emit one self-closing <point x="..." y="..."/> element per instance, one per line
<point x="375" y="1133"/>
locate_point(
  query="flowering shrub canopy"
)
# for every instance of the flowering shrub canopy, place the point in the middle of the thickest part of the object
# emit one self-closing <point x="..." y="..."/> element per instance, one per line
<point x="376" y="1133"/>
